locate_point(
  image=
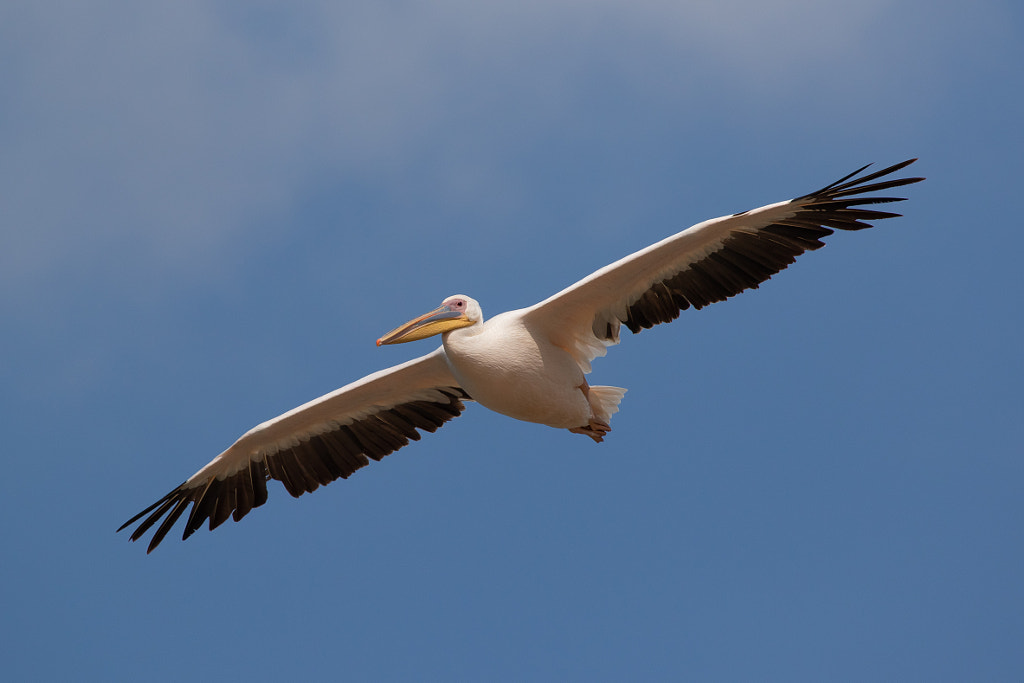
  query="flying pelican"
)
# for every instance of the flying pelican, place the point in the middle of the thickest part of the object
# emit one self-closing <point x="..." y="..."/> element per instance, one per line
<point x="528" y="364"/>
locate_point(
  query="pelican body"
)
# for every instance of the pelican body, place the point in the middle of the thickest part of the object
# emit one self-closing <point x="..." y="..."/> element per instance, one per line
<point x="511" y="365"/>
<point x="529" y="364"/>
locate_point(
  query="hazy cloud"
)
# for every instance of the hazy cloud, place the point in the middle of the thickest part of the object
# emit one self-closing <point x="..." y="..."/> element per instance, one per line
<point x="164" y="132"/>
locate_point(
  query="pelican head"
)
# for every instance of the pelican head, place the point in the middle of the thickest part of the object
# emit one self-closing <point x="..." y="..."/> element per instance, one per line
<point x="454" y="312"/>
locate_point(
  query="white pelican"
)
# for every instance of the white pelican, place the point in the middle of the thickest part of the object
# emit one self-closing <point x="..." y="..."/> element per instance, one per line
<point x="528" y="364"/>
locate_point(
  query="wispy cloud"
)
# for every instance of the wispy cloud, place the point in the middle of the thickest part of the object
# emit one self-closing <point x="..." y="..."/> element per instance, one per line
<point x="165" y="133"/>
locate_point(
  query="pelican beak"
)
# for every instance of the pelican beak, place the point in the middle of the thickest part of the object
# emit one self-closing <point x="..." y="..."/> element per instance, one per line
<point x="441" y="319"/>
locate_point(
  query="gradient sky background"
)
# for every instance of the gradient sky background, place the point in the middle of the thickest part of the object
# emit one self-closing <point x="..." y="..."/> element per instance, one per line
<point x="210" y="211"/>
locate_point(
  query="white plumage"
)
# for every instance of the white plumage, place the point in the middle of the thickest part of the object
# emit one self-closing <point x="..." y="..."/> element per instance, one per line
<point x="529" y="364"/>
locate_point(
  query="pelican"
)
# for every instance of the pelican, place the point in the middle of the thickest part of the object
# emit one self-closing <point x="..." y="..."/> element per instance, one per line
<point x="529" y="364"/>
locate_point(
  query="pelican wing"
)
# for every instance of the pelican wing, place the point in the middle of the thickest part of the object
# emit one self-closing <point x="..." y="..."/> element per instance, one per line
<point x="314" y="444"/>
<point x="706" y="263"/>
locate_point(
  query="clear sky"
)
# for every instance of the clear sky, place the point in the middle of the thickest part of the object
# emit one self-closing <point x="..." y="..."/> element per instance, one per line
<point x="210" y="211"/>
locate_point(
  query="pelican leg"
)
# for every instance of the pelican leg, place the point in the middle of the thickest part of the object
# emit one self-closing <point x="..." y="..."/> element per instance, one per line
<point x="596" y="429"/>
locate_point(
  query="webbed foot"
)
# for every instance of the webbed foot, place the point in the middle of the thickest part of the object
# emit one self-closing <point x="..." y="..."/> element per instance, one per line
<point x="595" y="430"/>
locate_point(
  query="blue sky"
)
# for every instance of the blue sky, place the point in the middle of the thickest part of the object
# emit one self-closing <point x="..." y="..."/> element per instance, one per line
<point x="210" y="212"/>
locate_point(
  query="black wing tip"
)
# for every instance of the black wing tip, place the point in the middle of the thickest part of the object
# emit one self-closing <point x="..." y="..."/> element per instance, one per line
<point x="152" y="507"/>
<point x="855" y="183"/>
<point x="885" y="171"/>
<point x="171" y="508"/>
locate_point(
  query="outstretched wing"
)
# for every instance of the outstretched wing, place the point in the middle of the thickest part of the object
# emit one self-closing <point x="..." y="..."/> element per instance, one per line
<point x="314" y="444"/>
<point x="706" y="263"/>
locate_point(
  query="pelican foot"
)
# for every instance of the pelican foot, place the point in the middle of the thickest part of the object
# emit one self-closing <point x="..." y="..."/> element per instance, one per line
<point x="595" y="430"/>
